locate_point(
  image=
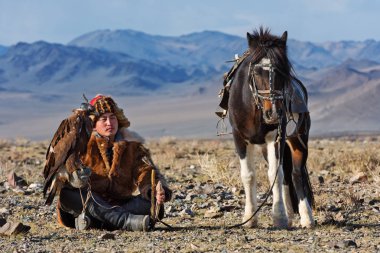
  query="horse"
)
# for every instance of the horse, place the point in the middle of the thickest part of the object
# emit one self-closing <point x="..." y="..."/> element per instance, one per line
<point x="259" y="110"/>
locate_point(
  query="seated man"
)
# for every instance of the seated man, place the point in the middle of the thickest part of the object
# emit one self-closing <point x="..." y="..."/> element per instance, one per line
<point x="120" y="166"/>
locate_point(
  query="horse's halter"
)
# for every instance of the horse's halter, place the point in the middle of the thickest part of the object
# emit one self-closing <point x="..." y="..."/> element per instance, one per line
<point x="272" y="94"/>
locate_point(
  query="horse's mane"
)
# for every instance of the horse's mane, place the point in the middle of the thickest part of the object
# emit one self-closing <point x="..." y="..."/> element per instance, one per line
<point x="262" y="43"/>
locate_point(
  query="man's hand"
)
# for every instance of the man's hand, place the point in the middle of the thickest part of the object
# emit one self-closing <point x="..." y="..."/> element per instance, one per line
<point x="160" y="193"/>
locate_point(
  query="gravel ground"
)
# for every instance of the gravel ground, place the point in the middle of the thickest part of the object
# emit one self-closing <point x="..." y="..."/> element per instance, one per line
<point x="208" y="197"/>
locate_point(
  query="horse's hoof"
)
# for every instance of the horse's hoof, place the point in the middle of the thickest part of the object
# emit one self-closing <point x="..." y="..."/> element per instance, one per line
<point x="280" y="223"/>
<point x="252" y="223"/>
<point x="307" y="223"/>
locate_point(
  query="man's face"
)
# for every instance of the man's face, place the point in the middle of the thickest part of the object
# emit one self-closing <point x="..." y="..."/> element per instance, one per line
<point x="107" y="125"/>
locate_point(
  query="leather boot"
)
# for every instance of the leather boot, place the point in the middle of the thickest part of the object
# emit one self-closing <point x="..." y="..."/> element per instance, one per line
<point x="138" y="223"/>
<point x="117" y="217"/>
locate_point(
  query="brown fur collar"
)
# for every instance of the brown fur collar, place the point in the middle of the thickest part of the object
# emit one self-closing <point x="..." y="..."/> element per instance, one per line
<point x="118" y="149"/>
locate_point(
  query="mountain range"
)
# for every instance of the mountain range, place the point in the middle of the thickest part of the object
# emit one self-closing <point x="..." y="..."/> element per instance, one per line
<point x="342" y="77"/>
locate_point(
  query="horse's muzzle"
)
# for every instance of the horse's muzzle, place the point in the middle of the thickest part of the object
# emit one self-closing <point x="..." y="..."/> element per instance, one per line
<point x="271" y="117"/>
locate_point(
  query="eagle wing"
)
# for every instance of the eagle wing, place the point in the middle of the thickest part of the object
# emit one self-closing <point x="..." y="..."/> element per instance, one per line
<point x="62" y="156"/>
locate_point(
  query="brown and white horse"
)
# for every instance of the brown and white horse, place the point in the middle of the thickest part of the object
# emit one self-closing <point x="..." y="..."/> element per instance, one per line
<point x="257" y="110"/>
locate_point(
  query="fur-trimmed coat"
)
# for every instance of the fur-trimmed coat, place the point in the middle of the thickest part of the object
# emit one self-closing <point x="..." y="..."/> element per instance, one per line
<point x="120" y="169"/>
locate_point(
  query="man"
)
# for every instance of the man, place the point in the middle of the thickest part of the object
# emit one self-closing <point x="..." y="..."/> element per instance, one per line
<point x="120" y="167"/>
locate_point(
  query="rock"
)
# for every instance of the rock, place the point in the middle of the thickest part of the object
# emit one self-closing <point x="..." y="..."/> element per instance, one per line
<point x="376" y="209"/>
<point x="190" y="196"/>
<point x="373" y="202"/>
<point x="207" y="189"/>
<point x="347" y="243"/>
<point x="321" y="180"/>
<point x="339" y="217"/>
<point x="213" y="212"/>
<point x="324" y="172"/>
<point x="187" y="212"/>
<point x="194" y="247"/>
<point x="179" y="195"/>
<point x="14" y="228"/>
<point x="15" y="181"/>
<point x="228" y="208"/>
<point x="2" y="221"/>
<point x="4" y="210"/>
<point x="333" y="208"/>
<point x="358" y="178"/>
<point x="204" y="205"/>
<point x="212" y="215"/>
<point x="35" y="186"/>
<point x="2" y="189"/>
<point x="107" y="236"/>
<point x="17" y="190"/>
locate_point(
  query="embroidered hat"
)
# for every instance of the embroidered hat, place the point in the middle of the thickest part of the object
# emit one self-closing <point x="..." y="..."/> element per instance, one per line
<point x="104" y="104"/>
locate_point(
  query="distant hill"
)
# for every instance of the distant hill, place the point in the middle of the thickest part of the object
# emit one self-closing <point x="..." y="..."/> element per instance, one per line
<point x="345" y="98"/>
<point x="343" y="79"/>
<point x="3" y="49"/>
<point x="57" y="68"/>
<point x="214" y="48"/>
<point x="203" y="50"/>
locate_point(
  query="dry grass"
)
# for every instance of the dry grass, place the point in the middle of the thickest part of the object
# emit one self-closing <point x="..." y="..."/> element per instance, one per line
<point x="220" y="169"/>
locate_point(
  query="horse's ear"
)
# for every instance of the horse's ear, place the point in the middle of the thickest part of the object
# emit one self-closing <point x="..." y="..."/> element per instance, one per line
<point x="284" y="37"/>
<point x="251" y="41"/>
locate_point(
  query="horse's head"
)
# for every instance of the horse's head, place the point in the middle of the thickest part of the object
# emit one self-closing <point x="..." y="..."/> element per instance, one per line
<point x="269" y="72"/>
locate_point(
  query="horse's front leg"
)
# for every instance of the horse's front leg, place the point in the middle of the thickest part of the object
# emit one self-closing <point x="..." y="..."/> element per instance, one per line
<point x="278" y="208"/>
<point x="248" y="177"/>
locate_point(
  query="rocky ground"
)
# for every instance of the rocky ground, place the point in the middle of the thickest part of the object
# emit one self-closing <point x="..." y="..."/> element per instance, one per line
<point x="208" y="197"/>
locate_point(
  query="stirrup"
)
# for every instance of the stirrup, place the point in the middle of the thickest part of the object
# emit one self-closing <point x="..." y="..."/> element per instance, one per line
<point x="82" y="222"/>
<point x="221" y="114"/>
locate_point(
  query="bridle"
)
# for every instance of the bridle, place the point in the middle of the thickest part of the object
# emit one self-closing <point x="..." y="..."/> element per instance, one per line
<point x="270" y="94"/>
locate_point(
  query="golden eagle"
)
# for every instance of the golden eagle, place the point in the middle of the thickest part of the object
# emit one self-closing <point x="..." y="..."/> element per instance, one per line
<point x="63" y="164"/>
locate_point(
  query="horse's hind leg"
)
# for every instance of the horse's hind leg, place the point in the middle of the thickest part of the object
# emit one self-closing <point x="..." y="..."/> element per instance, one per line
<point x="278" y="209"/>
<point x="290" y="198"/>
<point x="248" y="177"/>
<point x="301" y="183"/>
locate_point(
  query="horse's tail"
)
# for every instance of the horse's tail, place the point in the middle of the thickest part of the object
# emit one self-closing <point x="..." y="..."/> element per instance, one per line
<point x="288" y="181"/>
<point x="308" y="190"/>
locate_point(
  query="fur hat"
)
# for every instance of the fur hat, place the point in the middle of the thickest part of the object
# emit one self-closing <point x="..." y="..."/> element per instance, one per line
<point x="103" y="104"/>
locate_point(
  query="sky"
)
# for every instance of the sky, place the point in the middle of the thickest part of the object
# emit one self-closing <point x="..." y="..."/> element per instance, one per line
<point x="60" y="21"/>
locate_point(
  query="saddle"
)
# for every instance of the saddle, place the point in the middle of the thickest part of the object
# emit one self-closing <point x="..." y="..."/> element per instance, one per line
<point x="227" y="80"/>
<point x="296" y="97"/>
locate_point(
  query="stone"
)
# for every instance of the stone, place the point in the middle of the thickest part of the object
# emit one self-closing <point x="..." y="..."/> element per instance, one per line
<point x="14" y="228"/>
<point x="107" y="236"/>
<point x="358" y="178"/>
<point x="213" y="212"/>
<point x="347" y="243"/>
<point x="187" y="212"/>
<point x="15" y="181"/>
